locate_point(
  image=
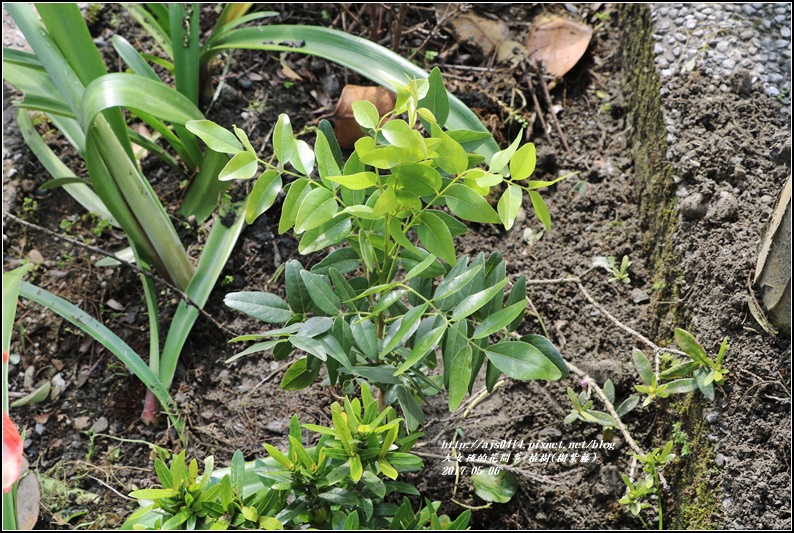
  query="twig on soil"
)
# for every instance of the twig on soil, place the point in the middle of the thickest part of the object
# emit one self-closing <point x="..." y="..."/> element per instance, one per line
<point x="441" y="20"/>
<point x="270" y="376"/>
<point x="547" y="96"/>
<point x="398" y="29"/>
<point x="626" y="328"/>
<point x="134" y="267"/>
<point x="120" y="495"/>
<point x="538" y="111"/>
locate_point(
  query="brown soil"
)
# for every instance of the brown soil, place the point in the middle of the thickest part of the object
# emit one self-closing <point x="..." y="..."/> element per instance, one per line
<point x="742" y="478"/>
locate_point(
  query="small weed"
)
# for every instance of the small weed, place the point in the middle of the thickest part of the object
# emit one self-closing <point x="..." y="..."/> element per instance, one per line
<point x="620" y="274"/>
<point x="681" y="438"/>
<point x="226" y="281"/>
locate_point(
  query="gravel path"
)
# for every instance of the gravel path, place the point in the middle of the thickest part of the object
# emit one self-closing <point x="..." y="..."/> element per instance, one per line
<point x="724" y="39"/>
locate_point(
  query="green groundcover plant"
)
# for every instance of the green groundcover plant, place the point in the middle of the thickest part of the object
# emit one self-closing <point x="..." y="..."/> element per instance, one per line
<point x="392" y="289"/>
<point x="348" y="480"/>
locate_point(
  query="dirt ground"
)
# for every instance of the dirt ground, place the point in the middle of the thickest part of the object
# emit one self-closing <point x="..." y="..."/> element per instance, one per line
<point x="90" y="449"/>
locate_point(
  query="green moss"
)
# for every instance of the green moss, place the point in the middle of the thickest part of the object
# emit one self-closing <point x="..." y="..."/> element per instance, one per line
<point x="693" y="498"/>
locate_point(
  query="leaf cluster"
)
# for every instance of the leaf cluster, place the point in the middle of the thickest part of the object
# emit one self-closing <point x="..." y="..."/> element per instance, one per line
<point x="379" y="307"/>
<point x="343" y="482"/>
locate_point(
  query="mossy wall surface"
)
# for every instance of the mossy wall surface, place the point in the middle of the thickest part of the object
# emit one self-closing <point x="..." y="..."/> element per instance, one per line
<point x="691" y="501"/>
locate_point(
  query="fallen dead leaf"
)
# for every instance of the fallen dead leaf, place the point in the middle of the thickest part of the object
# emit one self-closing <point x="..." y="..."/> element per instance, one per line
<point x="58" y="364"/>
<point x="28" y="502"/>
<point x="113" y="304"/>
<point x="81" y="422"/>
<point x="347" y="130"/>
<point x="472" y="29"/>
<point x="42" y="418"/>
<point x="558" y="43"/>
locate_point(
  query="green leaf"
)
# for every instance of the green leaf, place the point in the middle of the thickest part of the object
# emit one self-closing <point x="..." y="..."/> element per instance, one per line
<point x="680" y="370"/>
<point x="297" y="294"/>
<point x="237" y="472"/>
<point x="460" y="377"/>
<point x="366" y="338"/>
<point x="498" y="488"/>
<point x="545" y="346"/>
<point x="356" y="469"/>
<point x="407" y="326"/>
<point x="521" y="360"/>
<point x="422" y="346"/>
<point x="263" y="195"/>
<point x="366" y="114"/>
<point x="321" y="293"/>
<point x="344" y="260"/>
<point x="317" y="208"/>
<point x="152" y="494"/>
<point x="303" y="158"/>
<point x="419" y="268"/>
<point x="419" y="178"/>
<point x="540" y="209"/>
<point x="452" y="285"/>
<point x="352" y="522"/>
<point x="468" y="205"/>
<point x="242" y="166"/>
<point x="682" y="386"/>
<point x="355" y="182"/>
<point x="522" y="164"/>
<point x="256" y="348"/>
<point x="474" y="302"/>
<point x="518" y="293"/>
<point x="326" y="160"/>
<point x="243" y="139"/>
<point x="693" y="349"/>
<point x="470" y="140"/>
<point x="627" y="405"/>
<point x="452" y="158"/>
<point x="609" y="391"/>
<point x="387" y="202"/>
<point x="509" y="205"/>
<point x="499" y="320"/>
<point x="643" y="367"/>
<point x="387" y="300"/>
<point x="332" y="232"/>
<point x="435" y="236"/>
<point x="436" y="99"/>
<point x="214" y="136"/>
<point x="413" y="414"/>
<point x="298" y="377"/>
<point x="399" y="134"/>
<point x="283" y="140"/>
<point x="309" y="345"/>
<point x="260" y="305"/>
<point x="328" y="130"/>
<point x="500" y="159"/>
<point x="297" y="191"/>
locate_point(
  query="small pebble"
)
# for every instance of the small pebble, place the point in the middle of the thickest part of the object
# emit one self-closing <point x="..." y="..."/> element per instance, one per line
<point x="638" y="296"/>
<point x="693" y="207"/>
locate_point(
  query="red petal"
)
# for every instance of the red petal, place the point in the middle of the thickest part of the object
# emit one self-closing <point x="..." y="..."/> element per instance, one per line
<point x="12" y="453"/>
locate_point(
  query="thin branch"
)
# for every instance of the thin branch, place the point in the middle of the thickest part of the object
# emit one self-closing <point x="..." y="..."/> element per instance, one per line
<point x="551" y="110"/>
<point x="132" y="266"/>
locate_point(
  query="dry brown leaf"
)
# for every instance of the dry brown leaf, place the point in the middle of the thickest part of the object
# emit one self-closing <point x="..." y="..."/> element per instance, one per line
<point x="28" y="502"/>
<point x="346" y="129"/>
<point x="558" y="43"/>
<point x="485" y="33"/>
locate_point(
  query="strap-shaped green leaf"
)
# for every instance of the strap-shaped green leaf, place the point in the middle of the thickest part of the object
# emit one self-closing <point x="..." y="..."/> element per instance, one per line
<point x="460" y="375"/>
<point x="407" y="326"/>
<point x="499" y="320"/>
<point x="263" y="306"/>
<point x="521" y="360"/>
<point x="321" y="293"/>
<point x="475" y="301"/>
